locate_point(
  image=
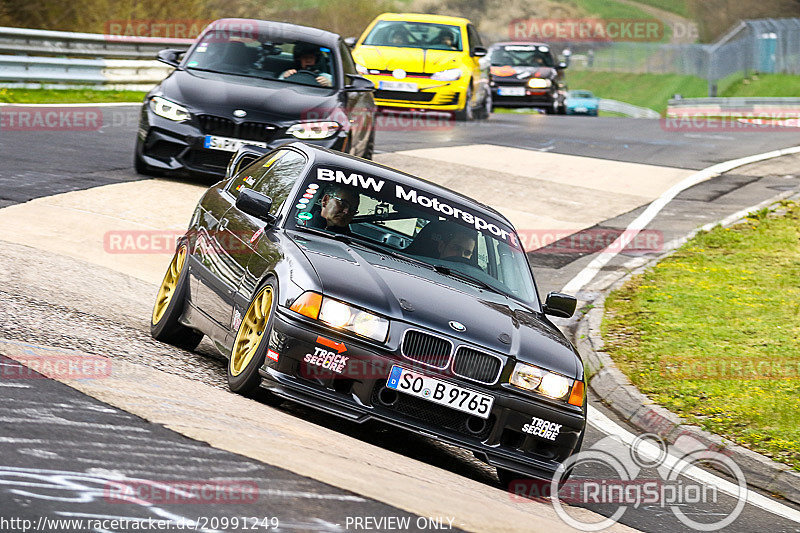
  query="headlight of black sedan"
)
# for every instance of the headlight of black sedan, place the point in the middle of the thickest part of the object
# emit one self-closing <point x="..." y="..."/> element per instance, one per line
<point x="340" y="315"/>
<point x="535" y="379"/>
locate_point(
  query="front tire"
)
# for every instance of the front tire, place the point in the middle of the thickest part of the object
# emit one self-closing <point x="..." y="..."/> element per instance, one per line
<point x="465" y="113"/>
<point x="252" y="341"/>
<point x="165" y="323"/>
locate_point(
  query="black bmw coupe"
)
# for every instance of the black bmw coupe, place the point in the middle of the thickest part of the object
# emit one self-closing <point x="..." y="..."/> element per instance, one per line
<point x="253" y="82"/>
<point x="368" y="293"/>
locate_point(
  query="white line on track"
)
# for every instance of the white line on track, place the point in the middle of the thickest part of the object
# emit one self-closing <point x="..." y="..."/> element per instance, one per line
<point x="591" y="270"/>
<point x="608" y="426"/>
<point x="601" y="422"/>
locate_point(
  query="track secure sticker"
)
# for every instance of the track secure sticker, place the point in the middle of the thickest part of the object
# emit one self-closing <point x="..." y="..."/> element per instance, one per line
<point x="326" y="359"/>
<point x="542" y="428"/>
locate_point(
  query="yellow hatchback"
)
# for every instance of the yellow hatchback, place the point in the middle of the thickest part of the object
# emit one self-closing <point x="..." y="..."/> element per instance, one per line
<point x="425" y="62"/>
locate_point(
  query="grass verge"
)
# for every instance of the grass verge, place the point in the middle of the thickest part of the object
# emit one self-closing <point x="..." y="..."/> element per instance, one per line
<point x="67" y="96"/>
<point x="655" y="90"/>
<point x="712" y="333"/>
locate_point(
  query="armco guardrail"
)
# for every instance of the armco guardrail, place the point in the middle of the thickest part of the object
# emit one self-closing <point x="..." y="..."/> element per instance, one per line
<point x="66" y="59"/>
<point x="624" y="108"/>
<point x="722" y="106"/>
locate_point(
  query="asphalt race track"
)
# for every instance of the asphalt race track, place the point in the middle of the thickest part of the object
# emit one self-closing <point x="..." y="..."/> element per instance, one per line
<point x="62" y="289"/>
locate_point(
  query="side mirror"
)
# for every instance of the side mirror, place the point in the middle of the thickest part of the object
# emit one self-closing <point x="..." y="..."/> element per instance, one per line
<point x="171" y="57"/>
<point x="255" y="204"/>
<point x="479" y="51"/>
<point x="359" y="84"/>
<point x="562" y="65"/>
<point x="560" y="305"/>
<point x="350" y="42"/>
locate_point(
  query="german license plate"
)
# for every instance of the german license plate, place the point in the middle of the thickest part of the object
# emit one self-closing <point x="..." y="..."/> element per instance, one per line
<point x="227" y="144"/>
<point x="441" y="392"/>
<point x="511" y="91"/>
<point x="403" y="86"/>
<point x="581" y="110"/>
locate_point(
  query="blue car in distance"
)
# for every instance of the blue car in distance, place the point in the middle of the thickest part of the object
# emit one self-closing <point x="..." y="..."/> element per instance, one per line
<point x="582" y="102"/>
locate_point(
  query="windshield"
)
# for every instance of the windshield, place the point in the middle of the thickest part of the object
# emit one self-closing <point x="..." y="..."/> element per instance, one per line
<point x="424" y="35"/>
<point x="258" y="56"/>
<point x="522" y="56"/>
<point x="457" y="240"/>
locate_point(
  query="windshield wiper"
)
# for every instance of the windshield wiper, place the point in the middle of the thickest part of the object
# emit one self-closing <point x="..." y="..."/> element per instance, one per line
<point x="466" y="277"/>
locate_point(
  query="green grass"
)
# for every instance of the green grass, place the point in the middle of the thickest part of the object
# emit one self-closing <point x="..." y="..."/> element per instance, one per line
<point x="608" y="9"/>
<point x="764" y="85"/>
<point x="679" y="7"/>
<point x="645" y="90"/>
<point x="655" y="90"/>
<point x="64" y="96"/>
<point x="713" y="333"/>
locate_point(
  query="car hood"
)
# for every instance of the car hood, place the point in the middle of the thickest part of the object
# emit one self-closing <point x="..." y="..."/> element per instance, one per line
<point x="263" y="100"/>
<point x="522" y="73"/>
<point x="431" y="300"/>
<point x="408" y="59"/>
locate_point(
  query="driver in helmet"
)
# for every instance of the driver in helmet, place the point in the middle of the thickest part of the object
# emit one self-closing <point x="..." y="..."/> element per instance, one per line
<point x="308" y="57"/>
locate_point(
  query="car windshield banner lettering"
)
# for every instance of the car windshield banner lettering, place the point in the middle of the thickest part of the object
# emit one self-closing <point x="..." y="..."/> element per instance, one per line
<point x="395" y="193"/>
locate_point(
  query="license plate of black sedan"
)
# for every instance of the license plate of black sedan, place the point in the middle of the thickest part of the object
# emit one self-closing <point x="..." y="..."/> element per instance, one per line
<point x="440" y="392"/>
<point x="227" y="144"/>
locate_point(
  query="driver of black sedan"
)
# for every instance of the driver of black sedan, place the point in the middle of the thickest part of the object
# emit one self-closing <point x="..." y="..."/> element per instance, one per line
<point x="308" y="57"/>
<point x="338" y="207"/>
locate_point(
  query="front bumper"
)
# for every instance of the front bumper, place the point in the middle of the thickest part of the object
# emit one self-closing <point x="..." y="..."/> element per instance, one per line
<point x="177" y="147"/>
<point x="539" y="98"/>
<point x="356" y="391"/>
<point x="432" y="94"/>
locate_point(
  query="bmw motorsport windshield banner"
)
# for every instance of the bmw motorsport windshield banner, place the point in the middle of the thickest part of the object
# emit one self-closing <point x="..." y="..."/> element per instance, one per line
<point x="397" y="194"/>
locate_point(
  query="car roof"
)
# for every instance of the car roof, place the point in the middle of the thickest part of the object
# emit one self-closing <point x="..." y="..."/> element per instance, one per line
<point x="421" y="17"/>
<point x="520" y="43"/>
<point x="321" y="155"/>
<point x="284" y="30"/>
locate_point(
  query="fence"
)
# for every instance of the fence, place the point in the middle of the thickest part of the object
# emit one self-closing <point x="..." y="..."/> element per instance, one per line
<point x="34" y="58"/>
<point x="763" y="45"/>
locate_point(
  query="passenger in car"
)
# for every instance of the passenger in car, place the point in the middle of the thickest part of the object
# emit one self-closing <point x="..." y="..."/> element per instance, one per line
<point x="458" y="245"/>
<point x="339" y="206"/>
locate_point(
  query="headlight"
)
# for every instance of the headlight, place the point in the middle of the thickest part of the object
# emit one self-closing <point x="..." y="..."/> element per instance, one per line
<point x="314" y="130"/>
<point x="447" y="75"/>
<point x="539" y="83"/>
<point x="167" y="109"/>
<point x="341" y="316"/>
<point x="535" y="379"/>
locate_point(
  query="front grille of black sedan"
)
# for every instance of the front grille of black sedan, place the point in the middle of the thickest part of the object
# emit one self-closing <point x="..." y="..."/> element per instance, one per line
<point x="404" y="96"/>
<point x="476" y="365"/>
<point x="438" y="415"/>
<point x="426" y="348"/>
<point x="225" y="127"/>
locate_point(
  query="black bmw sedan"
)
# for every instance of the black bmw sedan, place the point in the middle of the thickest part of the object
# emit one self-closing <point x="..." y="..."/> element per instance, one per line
<point x="370" y="294"/>
<point x="253" y="82"/>
<point x="526" y="74"/>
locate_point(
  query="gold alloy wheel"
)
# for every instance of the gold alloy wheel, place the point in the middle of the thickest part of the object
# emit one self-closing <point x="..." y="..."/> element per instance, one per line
<point x="169" y="284"/>
<point x="248" y="338"/>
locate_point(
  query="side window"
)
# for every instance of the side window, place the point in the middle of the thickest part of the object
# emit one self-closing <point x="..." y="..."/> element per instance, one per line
<point x="474" y="37"/>
<point x="348" y="65"/>
<point x="274" y="177"/>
